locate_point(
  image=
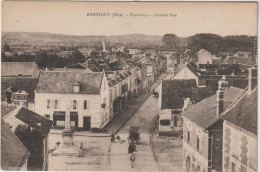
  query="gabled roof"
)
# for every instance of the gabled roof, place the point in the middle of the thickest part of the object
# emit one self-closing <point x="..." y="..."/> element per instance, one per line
<point x="203" y="113"/>
<point x="34" y="120"/>
<point x="15" y="68"/>
<point x="203" y="50"/>
<point x="244" y="113"/>
<point x="174" y="92"/>
<point x="62" y="82"/>
<point x="13" y="153"/>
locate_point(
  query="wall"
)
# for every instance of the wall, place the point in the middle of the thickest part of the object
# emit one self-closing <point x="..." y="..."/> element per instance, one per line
<point x="93" y="106"/>
<point x="204" y="58"/>
<point x="104" y="98"/>
<point x="217" y="136"/>
<point x="199" y="158"/>
<point x="185" y="73"/>
<point x="240" y="148"/>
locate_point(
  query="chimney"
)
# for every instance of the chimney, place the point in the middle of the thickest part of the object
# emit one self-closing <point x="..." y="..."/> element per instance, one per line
<point x="222" y="84"/>
<point x="8" y="93"/>
<point x="252" y="79"/>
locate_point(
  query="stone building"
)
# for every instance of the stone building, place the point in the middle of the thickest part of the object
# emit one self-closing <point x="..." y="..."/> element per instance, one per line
<point x="240" y="131"/>
<point x="203" y="130"/>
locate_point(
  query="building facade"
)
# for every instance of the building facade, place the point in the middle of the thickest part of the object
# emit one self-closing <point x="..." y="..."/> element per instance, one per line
<point x="85" y="94"/>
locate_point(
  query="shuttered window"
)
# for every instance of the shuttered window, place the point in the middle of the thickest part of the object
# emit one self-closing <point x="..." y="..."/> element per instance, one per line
<point x="48" y="103"/>
<point x="85" y="104"/>
<point x="74" y="104"/>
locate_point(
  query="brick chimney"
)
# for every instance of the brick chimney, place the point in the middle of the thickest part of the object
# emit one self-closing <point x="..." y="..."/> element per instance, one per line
<point x="252" y="79"/>
<point x="222" y="84"/>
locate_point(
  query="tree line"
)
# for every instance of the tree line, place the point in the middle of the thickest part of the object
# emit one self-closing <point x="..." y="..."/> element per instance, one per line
<point x="211" y="42"/>
<point x="45" y="59"/>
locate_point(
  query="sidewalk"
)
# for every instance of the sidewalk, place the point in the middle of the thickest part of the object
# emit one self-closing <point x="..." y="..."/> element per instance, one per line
<point x="119" y="121"/>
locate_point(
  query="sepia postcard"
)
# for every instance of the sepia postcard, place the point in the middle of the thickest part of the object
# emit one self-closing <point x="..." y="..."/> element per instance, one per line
<point x="129" y="86"/>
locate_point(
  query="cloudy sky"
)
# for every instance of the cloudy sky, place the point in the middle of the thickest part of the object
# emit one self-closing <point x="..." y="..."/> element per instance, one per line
<point x="71" y="18"/>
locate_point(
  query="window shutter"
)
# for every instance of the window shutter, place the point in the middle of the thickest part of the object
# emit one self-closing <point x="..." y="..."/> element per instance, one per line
<point x="77" y="104"/>
<point x="71" y="104"/>
<point x="82" y="105"/>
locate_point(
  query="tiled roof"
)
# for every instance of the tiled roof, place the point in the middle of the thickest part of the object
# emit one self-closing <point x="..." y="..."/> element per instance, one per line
<point x="62" y="82"/>
<point x="244" y="113"/>
<point x="13" y="152"/>
<point x="14" y="68"/>
<point x="34" y="120"/>
<point x="203" y="113"/>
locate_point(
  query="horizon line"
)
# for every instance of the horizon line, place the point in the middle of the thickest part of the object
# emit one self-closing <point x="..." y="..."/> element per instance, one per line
<point x="100" y="35"/>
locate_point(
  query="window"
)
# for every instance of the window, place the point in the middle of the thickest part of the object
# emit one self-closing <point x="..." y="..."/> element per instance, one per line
<point x="198" y="142"/>
<point x="56" y="104"/>
<point x="74" y="104"/>
<point x="233" y="167"/>
<point x="188" y="138"/>
<point x="48" y="103"/>
<point x="85" y="104"/>
<point x="165" y="122"/>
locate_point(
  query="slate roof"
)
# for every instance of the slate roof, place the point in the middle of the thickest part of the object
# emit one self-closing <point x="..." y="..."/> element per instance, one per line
<point x="6" y="109"/>
<point x="239" y="60"/>
<point x="13" y="152"/>
<point x="34" y="120"/>
<point x="62" y="82"/>
<point x="244" y="113"/>
<point x="174" y="92"/>
<point x="203" y="113"/>
<point x="14" y="68"/>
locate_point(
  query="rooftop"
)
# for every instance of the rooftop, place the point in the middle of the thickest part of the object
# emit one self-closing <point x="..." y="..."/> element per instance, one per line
<point x="244" y="113"/>
<point x="15" y="68"/>
<point x="62" y="82"/>
<point x="203" y="113"/>
<point x="13" y="152"/>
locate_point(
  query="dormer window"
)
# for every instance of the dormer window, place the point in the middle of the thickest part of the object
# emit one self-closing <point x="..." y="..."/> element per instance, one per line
<point x="76" y="87"/>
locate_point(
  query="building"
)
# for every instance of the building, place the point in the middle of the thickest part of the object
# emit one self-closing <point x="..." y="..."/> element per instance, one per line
<point x="240" y="132"/>
<point x="17" y="90"/>
<point x="85" y="94"/>
<point x="19" y="69"/>
<point x="203" y="130"/>
<point x="204" y="57"/>
<point x="189" y="71"/>
<point x="14" y="155"/>
<point x="21" y="116"/>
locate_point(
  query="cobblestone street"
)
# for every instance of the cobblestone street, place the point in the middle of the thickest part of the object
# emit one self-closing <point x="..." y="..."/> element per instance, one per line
<point x="143" y="118"/>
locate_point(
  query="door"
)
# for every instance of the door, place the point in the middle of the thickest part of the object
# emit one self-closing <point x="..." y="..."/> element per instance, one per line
<point x="175" y="121"/>
<point x="86" y="123"/>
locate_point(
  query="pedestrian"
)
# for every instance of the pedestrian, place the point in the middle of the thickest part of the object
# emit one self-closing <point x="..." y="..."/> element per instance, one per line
<point x="130" y="149"/>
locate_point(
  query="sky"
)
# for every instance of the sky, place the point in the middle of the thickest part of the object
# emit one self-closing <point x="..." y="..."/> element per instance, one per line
<point x="189" y="18"/>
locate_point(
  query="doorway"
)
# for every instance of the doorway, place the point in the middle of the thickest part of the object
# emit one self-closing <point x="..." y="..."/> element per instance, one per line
<point x="86" y="123"/>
